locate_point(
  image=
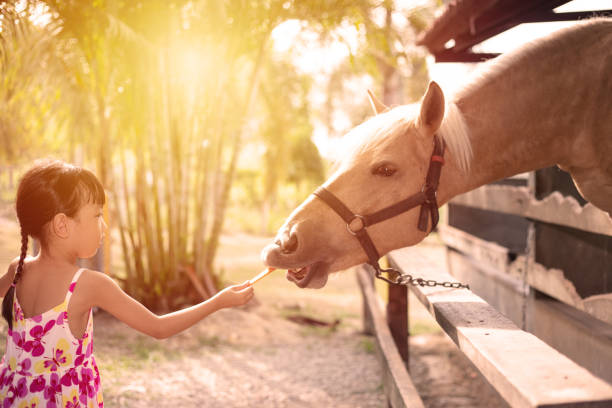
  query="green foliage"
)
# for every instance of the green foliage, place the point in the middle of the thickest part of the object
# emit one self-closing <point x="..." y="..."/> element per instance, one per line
<point x="289" y="155"/>
<point x="35" y="95"/>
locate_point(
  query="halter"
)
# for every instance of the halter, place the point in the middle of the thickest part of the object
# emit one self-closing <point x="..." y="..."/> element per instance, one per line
<point x="357" y="224"/>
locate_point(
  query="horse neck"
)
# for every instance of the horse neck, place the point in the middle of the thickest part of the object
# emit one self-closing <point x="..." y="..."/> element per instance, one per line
<point x="522" y="115"/>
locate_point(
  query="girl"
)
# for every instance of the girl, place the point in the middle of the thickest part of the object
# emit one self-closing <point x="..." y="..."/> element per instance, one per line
<point x="49" y="300"/>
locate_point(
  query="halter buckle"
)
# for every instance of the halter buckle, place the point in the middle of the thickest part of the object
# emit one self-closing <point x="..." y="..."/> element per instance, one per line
<point x="361" y="228"/>
<point x="431" y="194"/>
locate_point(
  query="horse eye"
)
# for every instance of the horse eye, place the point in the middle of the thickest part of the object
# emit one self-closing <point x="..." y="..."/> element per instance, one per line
<point x="384" y="170"/>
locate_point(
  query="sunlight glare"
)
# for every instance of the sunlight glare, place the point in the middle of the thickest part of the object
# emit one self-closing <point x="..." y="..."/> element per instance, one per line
<point x="284" y="35"/>
<point x="304" y="48"/>
<point x="190" y="65"/>
<point x="39" y="13"/>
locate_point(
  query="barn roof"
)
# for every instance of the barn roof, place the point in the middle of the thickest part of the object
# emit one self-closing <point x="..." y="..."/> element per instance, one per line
<point x="465" y="23"/>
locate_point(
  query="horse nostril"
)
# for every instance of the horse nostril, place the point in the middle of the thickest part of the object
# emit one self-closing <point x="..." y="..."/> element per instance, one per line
<point x="290" y="245"/>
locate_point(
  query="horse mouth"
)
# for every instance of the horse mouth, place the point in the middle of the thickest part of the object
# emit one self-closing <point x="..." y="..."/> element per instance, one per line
<point x="310" y="276"/>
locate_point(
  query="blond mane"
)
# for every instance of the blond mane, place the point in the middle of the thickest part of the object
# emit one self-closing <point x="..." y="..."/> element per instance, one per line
<point x="377" y="131"/>
<point x="455" y="133"/>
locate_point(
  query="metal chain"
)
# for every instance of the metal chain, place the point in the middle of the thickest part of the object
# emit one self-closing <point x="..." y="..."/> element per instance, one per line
<point x="407" y="279"/>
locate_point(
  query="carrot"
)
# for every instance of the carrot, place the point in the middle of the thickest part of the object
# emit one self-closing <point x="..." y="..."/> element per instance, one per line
<point x="261" y="275"/>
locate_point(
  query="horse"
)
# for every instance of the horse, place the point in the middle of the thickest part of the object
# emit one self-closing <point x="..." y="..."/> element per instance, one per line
<point x="547" y="103"/>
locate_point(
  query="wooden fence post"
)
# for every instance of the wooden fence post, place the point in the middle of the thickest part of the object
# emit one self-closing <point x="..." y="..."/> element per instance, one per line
<point x="368" y="324"/>
<point x="397" y="318"/>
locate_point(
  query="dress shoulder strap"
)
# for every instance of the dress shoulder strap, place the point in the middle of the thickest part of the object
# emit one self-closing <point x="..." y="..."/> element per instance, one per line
<point x="73" y="284"/>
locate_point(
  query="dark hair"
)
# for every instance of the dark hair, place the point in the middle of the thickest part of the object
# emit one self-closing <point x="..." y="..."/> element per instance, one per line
<point x="47" y="189"/>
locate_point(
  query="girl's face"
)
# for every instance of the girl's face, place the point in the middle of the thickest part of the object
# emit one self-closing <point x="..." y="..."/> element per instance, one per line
<point x="89" y="228"/>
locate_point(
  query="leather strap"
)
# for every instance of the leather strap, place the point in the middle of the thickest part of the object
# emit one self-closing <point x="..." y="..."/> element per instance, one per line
<point x="431" y="187"/>
<point x="348" y="216"/>
<point x="395" y="209"/>
<point x="426" y="198"/>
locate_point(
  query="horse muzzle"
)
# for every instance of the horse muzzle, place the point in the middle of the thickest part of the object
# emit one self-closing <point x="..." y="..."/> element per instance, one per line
<point x="289" y="252"/>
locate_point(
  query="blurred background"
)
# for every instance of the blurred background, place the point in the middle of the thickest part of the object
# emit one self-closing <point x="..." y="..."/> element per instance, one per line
<point x="199" y="117"/>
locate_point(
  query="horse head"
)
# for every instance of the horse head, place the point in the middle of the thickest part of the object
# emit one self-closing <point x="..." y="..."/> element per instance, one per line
<point x="384" y="160"/>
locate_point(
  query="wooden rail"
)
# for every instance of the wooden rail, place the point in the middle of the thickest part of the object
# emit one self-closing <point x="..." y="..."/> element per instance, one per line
<point x="488" y="254"/>
<point x="524" y="370"/>
<point x="554" y="209"/>
<point x="399" y="389"/>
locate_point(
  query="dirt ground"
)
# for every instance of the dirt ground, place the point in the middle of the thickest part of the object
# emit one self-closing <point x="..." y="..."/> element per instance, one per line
<point x="256" y="356"/>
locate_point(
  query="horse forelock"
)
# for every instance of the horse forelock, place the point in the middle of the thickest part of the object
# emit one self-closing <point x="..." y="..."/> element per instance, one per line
<point x="381" y="129"/>
<point x="375" y="133"/>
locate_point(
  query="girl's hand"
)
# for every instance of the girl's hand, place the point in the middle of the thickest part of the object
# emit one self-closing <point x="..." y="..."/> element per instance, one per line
<point x="235" y="295"/>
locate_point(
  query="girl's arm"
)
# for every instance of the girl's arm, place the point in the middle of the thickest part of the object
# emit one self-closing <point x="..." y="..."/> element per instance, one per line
<point x="106" y="294"/>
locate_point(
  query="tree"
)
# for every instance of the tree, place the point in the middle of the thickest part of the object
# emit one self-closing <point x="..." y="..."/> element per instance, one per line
<point x="290" y="155"/>
<point x="35" y="96"/>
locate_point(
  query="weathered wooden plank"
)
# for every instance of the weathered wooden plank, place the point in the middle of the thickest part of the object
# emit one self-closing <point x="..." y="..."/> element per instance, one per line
<point x="585" y="258"/>
<point x="399" y="389"/>
<point x="586" y="340"/>
<point x="551" y="281"/>
<point x="485" y="225"/>
<point x="490" y="255"/>
<point x="574" y="333"/>
<point x="493" y="255"/>
<point x="505" y="293"/>
<point x="523" y="369"/>
<point x="554" y="209"/>
<point x="600" y="306"/>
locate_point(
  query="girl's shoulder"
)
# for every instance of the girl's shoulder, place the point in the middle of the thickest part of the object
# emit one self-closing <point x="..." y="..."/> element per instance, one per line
<point x="13" y="265"/>
<point x="91" y="280"/>
<point x="90" y="277"/>
<point x="9" y="276"/>
<point x="93" y="286"/>
<point x="85" y="288"/>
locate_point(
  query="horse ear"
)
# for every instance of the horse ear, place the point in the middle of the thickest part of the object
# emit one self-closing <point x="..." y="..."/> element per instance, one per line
<point x="432" y="109"/>
<point x="377" y="105"/>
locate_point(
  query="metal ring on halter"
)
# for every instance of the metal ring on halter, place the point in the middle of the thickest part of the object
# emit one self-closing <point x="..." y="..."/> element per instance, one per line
<point x="363" y="225"/>
<point x="428" y="189"/>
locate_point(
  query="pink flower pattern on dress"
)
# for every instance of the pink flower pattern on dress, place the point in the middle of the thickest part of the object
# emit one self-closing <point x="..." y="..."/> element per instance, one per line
<point x="24" y="367"/>
<point x="19" y="338"/>
<point x="36" y="344"/>
<point x="45" y="365"/>
<point x="57" y="360"/>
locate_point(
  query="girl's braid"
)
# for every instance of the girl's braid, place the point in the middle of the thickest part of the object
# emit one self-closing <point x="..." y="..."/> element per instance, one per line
<point x="22" y="256"/>
<point x="7" y="302"/>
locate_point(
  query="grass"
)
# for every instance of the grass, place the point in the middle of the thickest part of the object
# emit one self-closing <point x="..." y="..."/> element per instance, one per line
<point x="367" y="344"/>
<point x="147" y="350"/>
<point x="318" y="331"/>
<point x="117" y="364"/>
<point x="209" y="341"/>
<point x="423" y="327"/>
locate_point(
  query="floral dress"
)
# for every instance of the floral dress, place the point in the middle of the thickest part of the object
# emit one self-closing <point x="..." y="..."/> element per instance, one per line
<point x="45" y="365"/>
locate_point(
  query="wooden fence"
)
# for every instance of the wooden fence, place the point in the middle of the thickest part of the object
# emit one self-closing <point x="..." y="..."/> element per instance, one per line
<point x="536" y="320"/>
